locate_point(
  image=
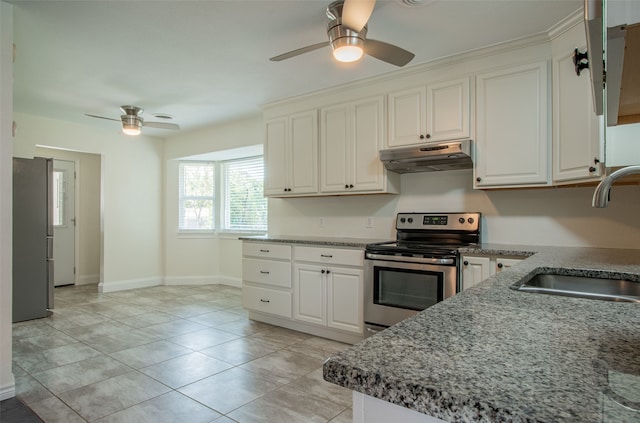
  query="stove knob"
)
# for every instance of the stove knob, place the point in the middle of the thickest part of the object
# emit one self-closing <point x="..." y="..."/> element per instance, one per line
<point x="410" y="220"/>
<point x="470" y="220"/>
<point x="402" y="220"/>
<point x="461" y="220"/>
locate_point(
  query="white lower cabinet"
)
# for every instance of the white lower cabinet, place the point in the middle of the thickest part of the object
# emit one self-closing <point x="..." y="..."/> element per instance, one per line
<point x="475" y="269"/>
<point x="330" y="296"/>
<point x="320" y="293"/>
<point x="266" y="278"/>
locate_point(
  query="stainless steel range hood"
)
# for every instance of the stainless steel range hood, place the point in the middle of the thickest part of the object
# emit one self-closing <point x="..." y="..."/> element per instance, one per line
<point x="432" y="157"/>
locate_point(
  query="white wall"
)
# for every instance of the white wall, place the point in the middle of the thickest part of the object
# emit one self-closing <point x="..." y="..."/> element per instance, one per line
<point x="131" y="197"/>
<point x="202" y="258"/>
<point x="7" y="381"/>
<point x="554" y="216"/>
<point x="87" y="211"/>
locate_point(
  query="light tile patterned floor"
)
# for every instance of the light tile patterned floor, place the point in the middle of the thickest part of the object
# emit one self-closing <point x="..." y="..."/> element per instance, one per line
<point x="170" y="354"/>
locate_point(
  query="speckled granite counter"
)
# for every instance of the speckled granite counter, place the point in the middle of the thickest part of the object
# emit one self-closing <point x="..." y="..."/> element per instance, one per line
<point x="493" y="354"/>
<point x="314" y="240"/>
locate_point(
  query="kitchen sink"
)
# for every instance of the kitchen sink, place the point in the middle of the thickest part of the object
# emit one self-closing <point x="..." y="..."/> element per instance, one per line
<point x="582" y="287"/>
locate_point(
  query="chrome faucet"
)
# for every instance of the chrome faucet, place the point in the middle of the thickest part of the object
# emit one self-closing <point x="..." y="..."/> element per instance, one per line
<point x="601" y="194"/>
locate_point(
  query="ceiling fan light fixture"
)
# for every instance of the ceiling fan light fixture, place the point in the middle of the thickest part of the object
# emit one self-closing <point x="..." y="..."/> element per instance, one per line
<point x="348" y="54"/>
<point x="131" y="125"/>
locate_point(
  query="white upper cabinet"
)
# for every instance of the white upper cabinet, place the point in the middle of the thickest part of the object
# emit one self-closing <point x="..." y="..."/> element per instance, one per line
<point x="291" y="155"/>
<point x="576" y="140"/>
<point x="512" y="143"/>
<point x="351" y="135"/>
<point x="434" y="112"/>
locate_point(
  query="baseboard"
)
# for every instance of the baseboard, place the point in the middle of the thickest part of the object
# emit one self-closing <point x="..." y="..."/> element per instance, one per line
<point x="87" y="279"/>
<point x="190" y="280"/>
<point x="203" y="280"/>
<point x="7" y="391"/>
<point x="128" y="284"/>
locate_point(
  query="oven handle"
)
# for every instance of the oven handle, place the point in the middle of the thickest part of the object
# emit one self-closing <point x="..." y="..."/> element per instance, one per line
<point x="422" y="260"/>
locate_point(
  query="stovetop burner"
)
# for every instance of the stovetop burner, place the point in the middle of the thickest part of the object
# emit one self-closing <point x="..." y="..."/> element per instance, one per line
<point x="431" y="234"/>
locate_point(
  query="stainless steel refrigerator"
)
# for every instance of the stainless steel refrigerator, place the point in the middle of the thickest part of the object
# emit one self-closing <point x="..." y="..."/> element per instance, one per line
<point x="32" y="238"/>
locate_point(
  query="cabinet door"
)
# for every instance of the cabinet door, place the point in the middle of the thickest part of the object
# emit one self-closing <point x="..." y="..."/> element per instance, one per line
<point x="309" y="294"/>
<point x="335" y="146"/>
<point x="448" y="110"/>
<point x="475" y="270"/>
<point x="303" y="147"/>
<point x="367" y="171"/>
<point x="512" y="127"/>
<point x="576" y="142"/>
<point x="276" y="156"/>
<point x="407" y="117"/>
<point x="345" y="299"/>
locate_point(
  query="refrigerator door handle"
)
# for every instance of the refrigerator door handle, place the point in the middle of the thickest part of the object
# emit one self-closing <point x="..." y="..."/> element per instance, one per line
<point x="50" y="283"/>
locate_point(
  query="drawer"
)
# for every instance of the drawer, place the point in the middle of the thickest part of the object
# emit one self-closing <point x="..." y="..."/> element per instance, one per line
<point x="267" y="300"/>
<point x="330" y="255"/>
<point x="270" y="272"/>
<point x="274" y="251"/>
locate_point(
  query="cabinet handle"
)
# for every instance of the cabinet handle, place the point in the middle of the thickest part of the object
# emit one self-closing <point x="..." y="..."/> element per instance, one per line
<point x="264" y="273"/>
<point x="328" y="271"/>
<point x="322" y="271"/>
<point x="264" y="301"/>
<point x="351" y="186"/>
<point x="478" y="179"/>
<point x="326" y="255"/>
<point x="264" y="251"/>
<point x="346" y="186"/>
<point x="466" y="263"/>
<point x="500" y="265"/>
<point x="592" y="169"/>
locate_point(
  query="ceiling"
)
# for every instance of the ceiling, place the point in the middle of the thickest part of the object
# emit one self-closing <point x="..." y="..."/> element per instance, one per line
<point x="205" y="62"/>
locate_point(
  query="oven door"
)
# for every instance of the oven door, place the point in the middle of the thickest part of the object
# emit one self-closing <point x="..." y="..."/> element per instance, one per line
<point x="396" y="290"/>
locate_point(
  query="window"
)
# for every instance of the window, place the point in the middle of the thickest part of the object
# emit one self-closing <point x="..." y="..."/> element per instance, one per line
<point x="197" y="195"/>
<point x="58" y="197"/>
<point x="245" y="207"/>
<point x="238" y="186"/>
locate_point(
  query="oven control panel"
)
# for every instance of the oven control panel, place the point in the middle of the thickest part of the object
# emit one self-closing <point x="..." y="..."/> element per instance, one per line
<point x="438" y="221"/>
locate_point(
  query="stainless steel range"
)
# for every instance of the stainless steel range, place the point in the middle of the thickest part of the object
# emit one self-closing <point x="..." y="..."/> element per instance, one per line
<point x="418" y="269"/>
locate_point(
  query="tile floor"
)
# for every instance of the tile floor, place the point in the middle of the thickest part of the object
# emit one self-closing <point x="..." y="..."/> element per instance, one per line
<point x="170" y="354"/>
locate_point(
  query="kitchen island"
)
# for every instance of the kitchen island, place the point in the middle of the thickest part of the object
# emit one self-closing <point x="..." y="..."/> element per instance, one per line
<point x="494" y="354"/>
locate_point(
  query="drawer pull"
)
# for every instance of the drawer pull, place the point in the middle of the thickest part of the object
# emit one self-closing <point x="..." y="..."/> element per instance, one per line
<point x="264" y="301"/>
<point x="326" y="255"/>
<point x="264" y="251"/>
<point x="264" y="273"/>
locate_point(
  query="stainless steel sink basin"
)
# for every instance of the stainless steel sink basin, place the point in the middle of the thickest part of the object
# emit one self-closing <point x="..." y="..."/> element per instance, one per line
<point x="583" y="287"/>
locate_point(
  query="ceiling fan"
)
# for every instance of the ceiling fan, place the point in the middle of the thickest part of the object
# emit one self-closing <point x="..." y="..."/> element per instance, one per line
<point x="347" y="31"/>
<point x="132" y="122"/>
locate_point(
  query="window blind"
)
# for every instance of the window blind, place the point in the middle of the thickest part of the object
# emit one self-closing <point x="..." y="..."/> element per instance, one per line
<point x="245" y="206"/>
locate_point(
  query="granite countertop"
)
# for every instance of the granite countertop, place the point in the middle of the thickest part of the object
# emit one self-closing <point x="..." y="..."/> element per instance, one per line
<point x="494" y="354"/>
<point x="314" y="240"/>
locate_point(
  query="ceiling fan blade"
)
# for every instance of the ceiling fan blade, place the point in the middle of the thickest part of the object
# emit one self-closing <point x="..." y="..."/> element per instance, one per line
<point x="302" y="50"/>
<point x="356" y="13"/>
<point x="101" y="117"/>
<point x="388" y="52"/>
<point x="161" y="125"/>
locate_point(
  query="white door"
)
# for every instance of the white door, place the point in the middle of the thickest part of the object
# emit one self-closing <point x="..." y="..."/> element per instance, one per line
<point x="64" y="220"/>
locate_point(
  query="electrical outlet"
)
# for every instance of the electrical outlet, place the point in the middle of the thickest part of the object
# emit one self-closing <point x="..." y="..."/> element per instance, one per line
<point x="321" y="222"/>
<point x="369" y="222"/>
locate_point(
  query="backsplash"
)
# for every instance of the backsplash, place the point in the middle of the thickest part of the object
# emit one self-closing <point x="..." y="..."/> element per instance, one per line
<point x="554" y="216"/>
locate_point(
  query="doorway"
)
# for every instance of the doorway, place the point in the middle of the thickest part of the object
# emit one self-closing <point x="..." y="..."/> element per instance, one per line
<point x="77" y="241"/>
<point x="64" y="222"/>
